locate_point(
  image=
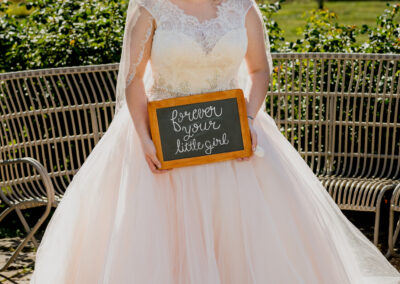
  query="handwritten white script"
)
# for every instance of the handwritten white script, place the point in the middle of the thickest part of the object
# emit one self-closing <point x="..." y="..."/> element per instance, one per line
<point x="200" y="120"/>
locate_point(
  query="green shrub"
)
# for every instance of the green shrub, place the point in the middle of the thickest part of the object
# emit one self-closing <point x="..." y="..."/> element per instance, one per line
<point x="72" y="33"/>
<point x="385" y="37"/>
<point x="62" y="33"/>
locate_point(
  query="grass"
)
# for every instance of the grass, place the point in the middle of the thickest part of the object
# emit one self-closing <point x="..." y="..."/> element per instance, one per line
<point x="292" y="17"/>
<point x="16" y="9"/>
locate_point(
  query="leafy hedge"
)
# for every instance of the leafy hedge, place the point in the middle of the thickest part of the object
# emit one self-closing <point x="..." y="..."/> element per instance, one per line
<point x="62" y="33"/>
<point x="70" y="33"/>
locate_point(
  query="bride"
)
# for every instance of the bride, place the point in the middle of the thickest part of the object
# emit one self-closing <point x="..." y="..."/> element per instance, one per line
<point x="252" y="220"/>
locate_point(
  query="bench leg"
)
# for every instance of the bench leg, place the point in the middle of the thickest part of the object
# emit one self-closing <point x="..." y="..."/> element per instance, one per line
<point x="27" y="238"/>
<point x="6" y="212"/>
<point x="396" y="233"/>
<point x="26" y="226"/>
<point x="50" y="199"/>
<point x="390" y="234"/>
<point x="378" y="214"/>
<point x="376" y="228"/>
<point x="22" y="219"/>
<point x="393" y="236"/>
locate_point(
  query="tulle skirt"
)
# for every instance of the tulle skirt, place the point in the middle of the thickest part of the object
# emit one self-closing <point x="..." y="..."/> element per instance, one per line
<point x="266" y="220"/>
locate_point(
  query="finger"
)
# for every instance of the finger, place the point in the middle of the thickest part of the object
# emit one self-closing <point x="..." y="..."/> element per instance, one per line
<point x="151" y="164"/>
<point x="243" y="158"/>
<point x="155" y="161"/>
<point x="254" y="140"/>
<point x="154" y="168"/>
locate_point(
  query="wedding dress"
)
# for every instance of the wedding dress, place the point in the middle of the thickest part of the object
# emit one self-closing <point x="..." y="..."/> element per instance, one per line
<point x="266" y="220"/>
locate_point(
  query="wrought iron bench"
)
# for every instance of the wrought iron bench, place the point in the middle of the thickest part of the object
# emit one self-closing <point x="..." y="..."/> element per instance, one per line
<point x="51" y="120"/>
<point x="394" y="208"/>
<point x="341" y="112"/>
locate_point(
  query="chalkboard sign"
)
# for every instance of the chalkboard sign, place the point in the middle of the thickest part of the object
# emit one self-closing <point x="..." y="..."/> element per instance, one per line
<point x="200" y="128"/>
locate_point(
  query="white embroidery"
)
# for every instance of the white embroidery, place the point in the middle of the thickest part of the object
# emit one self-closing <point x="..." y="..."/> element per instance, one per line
<point x="162" y="90"/>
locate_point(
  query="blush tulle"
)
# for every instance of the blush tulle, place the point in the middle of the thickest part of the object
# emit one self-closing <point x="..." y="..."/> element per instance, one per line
<point x="266" y="220"/>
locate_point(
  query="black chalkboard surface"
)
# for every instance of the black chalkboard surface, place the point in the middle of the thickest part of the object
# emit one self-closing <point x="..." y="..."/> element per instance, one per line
<point x="201" y="128"/>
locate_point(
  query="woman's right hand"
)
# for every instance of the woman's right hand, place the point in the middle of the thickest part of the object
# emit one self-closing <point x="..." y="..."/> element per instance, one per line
<point x="150" y="155"/>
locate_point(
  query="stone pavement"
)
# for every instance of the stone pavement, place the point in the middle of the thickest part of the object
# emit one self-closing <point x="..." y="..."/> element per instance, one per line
<point x="21" y="270"/>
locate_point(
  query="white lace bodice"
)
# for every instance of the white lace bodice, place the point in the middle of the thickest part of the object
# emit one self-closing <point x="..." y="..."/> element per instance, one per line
<point x="190" y="56"/>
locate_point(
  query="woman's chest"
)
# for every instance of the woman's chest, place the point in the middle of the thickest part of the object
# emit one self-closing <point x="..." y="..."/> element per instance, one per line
<point x="178" y="32"/>
<point x="199" y="47"/>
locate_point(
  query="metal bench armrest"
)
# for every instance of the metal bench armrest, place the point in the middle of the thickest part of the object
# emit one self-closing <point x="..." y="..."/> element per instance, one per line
<point x="41" y="171"/>
<point x="50" y="200"/>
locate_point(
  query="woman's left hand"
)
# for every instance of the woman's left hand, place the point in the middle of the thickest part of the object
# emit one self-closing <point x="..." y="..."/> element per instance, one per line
<point x="253" y="135"/>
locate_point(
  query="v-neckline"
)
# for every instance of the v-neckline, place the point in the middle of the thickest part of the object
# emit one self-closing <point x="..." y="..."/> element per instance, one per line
<point x="204" y="22"/>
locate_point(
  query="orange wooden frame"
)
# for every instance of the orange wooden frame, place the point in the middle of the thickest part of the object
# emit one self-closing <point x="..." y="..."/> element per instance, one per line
<point x="198" y="98"/>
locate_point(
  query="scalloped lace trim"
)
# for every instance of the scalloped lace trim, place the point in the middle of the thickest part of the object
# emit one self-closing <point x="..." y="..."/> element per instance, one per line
<point x="230" y="15"/>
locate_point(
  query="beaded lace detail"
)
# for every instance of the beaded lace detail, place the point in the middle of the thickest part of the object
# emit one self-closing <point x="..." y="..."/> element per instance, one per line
<point x="161" y="90"/>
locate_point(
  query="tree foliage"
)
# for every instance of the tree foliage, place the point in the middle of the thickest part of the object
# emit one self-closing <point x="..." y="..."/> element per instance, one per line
<point x="62" y="33"/>
<point x="72" y="33"/>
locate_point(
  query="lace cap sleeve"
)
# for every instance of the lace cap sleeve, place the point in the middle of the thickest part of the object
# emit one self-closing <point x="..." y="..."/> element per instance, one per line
<point x="139" y="43"/>
<point x="246" y="5"/>
<point x="151" y="6"/>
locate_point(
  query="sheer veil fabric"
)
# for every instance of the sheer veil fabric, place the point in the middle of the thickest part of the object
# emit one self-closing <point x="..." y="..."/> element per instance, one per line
<point x="266" y="220"/>
<point x="133" y="48"/>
